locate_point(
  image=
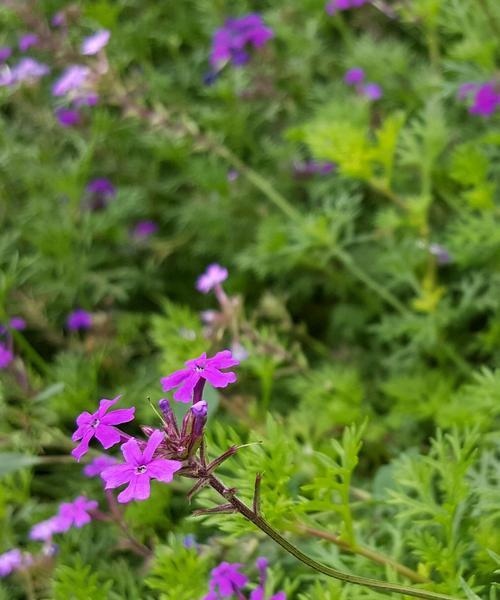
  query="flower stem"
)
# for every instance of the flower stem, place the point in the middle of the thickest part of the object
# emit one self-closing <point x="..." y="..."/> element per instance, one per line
<point x="264" y="526"/>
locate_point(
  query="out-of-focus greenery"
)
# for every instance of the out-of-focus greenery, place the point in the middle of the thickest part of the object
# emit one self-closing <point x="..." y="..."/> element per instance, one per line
<point x="372" y="381"/>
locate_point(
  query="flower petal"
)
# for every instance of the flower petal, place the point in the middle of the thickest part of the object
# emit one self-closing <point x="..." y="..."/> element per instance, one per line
<point x="85" y="418"/>
<point x="83" y="446"/>
<point x="108" y="436"/>
<point x="223" y="360"/>
<point x="175" y="379"/>
<point x="163" y="469"/>
<point x="154" y="441"/>
<point x="138" y="489"/>
<point x="122" y="415"/>
<point x="217" y="378"/>
<point x="117" y="475"/>
<point x="132" y="452"/>
<point x="185" y="392"/>
<point x="105" y="405"/>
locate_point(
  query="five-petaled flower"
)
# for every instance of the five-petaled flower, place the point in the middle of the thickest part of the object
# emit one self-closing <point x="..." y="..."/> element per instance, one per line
<point x="225" y="580"/>
<point x="201" y="368"/>
<point x="75" y="514"/>
<point x="100" y="424"/>
<point x="139" y="468"/>
<point x="212" y="277"/>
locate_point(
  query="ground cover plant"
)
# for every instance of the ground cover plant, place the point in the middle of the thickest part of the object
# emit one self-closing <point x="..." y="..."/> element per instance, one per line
<point x="249" y="299"/>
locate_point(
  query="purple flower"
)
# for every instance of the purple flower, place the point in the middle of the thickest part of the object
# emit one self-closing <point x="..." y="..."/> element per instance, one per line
<point x="94" y="43"/>
<point x="101" y="186"/>
<point x="17" y="323"/>
<point x="143" y="229"/>
<point x="354" y="76"/>
<point x="465" y="89"/>
<point x="372" y="91"/>
<point x="442" y="255"/>
<point x="213" y="276"/>
<point x="139" y="468"/>
<point x="334" y="5"/>
<point x="309" y="168"/>
<point x="44" y="530"/>
<point x="230" y="42"/>
<point x="72" y="79"/>
<point x="100" y="425"/>
<point x="27" y="41"/>
<point x="201" y="368"/>
<point x="79" y="319"/>
<point x="68" y="117"/>
<point x="97" y="465"/>
<point x="59" y="19"/>
<point x="486" y="100"/>
<point x="89" y="99"/>
<point x="75" y="514"/>
<point x="27" y="69"/>
<point x="227" y="579"/>
<point x="10" y="561"/>
<point x="5" y="53"/>
<point x="6" y="356"/>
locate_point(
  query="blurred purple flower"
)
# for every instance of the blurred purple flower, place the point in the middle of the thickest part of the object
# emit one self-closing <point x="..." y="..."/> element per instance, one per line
<point x="73" y="78"/>
<point x="372" y="91"/>
<point x="101" y="187"/>
<point x="17" y="323"/>
<point x="338" y="5"/>
<point x="67" y="117"/>
<point x="225" y="579"/>
<point x="143" y="229"/>
<point x="44" y="530"/>
<point x="231" y="42"/>
<point x="486" y="100"/>
<point x="94" y="43"/>
<point x="442" y="255"/>
<point x="79" y="319"/>
<point x="59" y="19"/>
<point x="86" y="100"/>
<point x="232" y="175"/>
<point x="10" y="561"/>
<point x="465" y="89"/>
<point x="308" y="168"/>
<point x="213" y="276"/>
<point x="354" y="76"/>
<point x="97" y="465"/>
<point x="28" y="40"/>
<point x="27" y="70"/>
<point x="6" y="356"/>
<point x="5" y="53"/>
<point x="75" y="514"/>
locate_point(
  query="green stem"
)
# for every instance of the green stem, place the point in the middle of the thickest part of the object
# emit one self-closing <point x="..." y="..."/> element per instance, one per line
<point x="30" y="352"/>
<point x="264" y="526"/>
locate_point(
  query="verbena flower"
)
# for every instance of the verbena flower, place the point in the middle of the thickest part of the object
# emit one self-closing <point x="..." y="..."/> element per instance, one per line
<point x="68" y="117"/>
<point x="144" y="229"/>
<point x="259" y="593"/>
<point x="27" y="70"/>
<point x="72" y="79"/>
<point x="354" y="76"/>
<point x="486" y="100"/>
<point x="79" y="319"/>
<point x="201" y="368"/>
<point x="6" y="356"/>
<point x="101" y="425"/>
<point x="10" y="561"/>
<point x="97" y="465"/>
<point x="75" y="514"/>
<point x="339" y="5"/>
<point x="95" y="43"/>
<point x="59" y="19"/>
<point x="225" y="579"/>
<point x="5" y="53"/>
<point x="17" y="323"/>
<point x="214" y="275"/>
<point x="139" y="468"/>
<point x="231" y="42"/>
<point x="45" y="530"/>
<point x="28" y="40"/>
<point x="372" y="91"/>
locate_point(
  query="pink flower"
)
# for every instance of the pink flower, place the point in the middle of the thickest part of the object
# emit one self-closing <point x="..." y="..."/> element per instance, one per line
<point x="100" y="425"/>
<point x="227" y="579"/>
<point x="10" y="561"/>
<point x="75" y="514"/>
<point x="198" y="369"/>
<point x="97" y="466"/>
<point x="94" y="43"/>
<point x="213" y="276"/>
<point x="139" y="468"/>
<point x="44" y="530"/>
<point x="6" y="356"/>
<point x="73" y="78"/>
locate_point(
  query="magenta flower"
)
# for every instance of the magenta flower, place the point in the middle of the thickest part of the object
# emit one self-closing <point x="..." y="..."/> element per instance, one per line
<point x="17" y="323"/>
<point x="101" y="186"/>
<point x="10" y="561"/>
<point x="259" y="593"/>
<point x="226" y="579"/>
<point x="101" y="425"/>
<point x="201" y="368"/>
<point x="231" y="42"/>
<point x="486" y="100"/>
<point x="5" y="53"/>
<point x="79" y="319"/>
<point x="27" y="41"/>
<point x="139" y="468"/>
<point x="213" y="276"/>
<point x="75" y="514"/>
<point x="44" y="530"/>
<point x="6" y="356"/>
<point x="143" y="229"/>
<point x="354" y="76"/>
<point x="68" y="117"/>
<point x="72" y="79"/>
<point x="97" y="465"/>
<point x="94" y="43"/>
<point x="372" y="91"/>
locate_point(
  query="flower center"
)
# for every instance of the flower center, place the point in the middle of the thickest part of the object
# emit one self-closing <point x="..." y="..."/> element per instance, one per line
<point x="199" y="368"/>
<point x="95" y="423"/>
<point x="140" y="470"/>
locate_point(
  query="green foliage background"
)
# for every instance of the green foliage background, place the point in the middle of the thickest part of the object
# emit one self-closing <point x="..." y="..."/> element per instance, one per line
<point x="372" y="383"/>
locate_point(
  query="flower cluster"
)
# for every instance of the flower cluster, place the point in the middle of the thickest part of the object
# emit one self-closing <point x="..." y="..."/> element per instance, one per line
<point x="231" y="42"/>
<point x="356" y="78"/>
<point x="486" y="97"/>
<point x="227" y="582"/>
